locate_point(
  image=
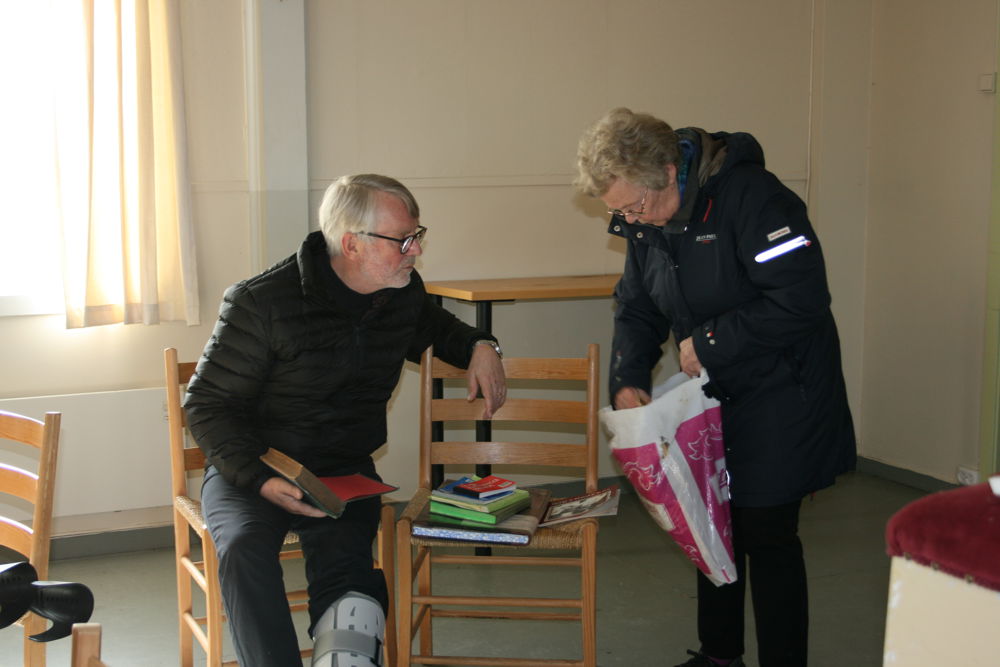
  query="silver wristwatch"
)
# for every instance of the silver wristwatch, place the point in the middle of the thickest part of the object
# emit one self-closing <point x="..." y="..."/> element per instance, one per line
<point x="494" y="345"/>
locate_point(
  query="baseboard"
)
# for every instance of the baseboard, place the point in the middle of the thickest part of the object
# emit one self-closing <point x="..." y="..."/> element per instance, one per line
<point x="903" y="476"/>
<point x="118" y="541"/>
<point x="161" y="536"/>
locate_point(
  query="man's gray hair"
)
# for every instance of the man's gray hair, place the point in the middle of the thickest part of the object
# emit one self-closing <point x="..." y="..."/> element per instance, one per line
<point x="349" y="205"/>
<point x="636" y="147"/>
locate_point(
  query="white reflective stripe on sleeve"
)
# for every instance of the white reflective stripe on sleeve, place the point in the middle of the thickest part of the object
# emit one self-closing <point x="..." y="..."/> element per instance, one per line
<point x="787" y="246"/>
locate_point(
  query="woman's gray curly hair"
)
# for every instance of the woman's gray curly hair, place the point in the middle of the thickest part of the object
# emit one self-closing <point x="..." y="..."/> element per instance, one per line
<point x="623" y="144"/>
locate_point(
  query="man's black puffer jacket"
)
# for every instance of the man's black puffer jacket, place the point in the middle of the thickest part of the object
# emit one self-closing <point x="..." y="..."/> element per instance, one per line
<point x="761" y="327"/>
<point x="290" y="368"/>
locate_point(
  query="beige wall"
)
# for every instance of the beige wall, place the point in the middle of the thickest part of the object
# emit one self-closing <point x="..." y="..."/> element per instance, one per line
<point x="838" y="176"/>
<point x="926" y="251"/>
<point x="478" y="107"/>
<point x="868" y="108"/>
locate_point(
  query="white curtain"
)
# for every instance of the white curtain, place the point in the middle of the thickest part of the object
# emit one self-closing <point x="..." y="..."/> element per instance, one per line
<point x="123" y="192"/>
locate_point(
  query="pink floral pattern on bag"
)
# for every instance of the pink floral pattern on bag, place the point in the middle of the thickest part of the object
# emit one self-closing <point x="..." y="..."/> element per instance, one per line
<point x="699" y="441"/>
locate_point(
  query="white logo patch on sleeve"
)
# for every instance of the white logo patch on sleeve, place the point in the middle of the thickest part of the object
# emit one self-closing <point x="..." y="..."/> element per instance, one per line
<point x="778" y="233"/>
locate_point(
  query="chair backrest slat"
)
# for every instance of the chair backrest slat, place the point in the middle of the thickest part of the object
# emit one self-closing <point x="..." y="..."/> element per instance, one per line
<point x="194" y="459"/>
<point x="15" y="535"/>
<point x="531" y="380"/>
<point x="515" y="409"/>
<point x="524" y="368"/>
<point x="18" y="482"/>
<point x="517" y="453"/>
<point x="25" y="430"/>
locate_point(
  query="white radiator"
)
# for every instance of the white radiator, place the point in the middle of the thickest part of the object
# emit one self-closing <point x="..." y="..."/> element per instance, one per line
<point x="114" y="464"/>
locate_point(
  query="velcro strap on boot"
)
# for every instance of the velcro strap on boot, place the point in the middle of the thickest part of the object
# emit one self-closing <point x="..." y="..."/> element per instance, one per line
<point x="348" y="641"/>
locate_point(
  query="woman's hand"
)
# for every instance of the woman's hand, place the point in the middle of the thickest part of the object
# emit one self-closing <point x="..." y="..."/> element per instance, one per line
<point x="631" y="397"/>
<point x="689" y="358"/>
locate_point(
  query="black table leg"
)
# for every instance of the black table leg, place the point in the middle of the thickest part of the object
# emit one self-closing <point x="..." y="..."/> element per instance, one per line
<point x="484" y="429"/>
<point x="437" y="428"/>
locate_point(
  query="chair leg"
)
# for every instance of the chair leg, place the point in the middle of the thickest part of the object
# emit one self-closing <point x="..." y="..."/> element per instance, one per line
<point x="424" y="587"/>
<point x="34" y="652"/>
<point x="213" y="602"/>
<point x="86" y="647"/>
<point x="182" y="549"/>
<point x="588" y="594"/>
<point x="404" y="628"/>
<point x="387" y="562"/>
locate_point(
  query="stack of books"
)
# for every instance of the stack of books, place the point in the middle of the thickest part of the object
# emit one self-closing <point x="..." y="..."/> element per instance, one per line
<point x="471" y="501"/>
<point x="490" y="509"/>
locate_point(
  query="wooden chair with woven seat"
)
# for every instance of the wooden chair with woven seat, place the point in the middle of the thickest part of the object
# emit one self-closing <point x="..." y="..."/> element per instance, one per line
<point x="41" y="439"/>
<point x="416" y="555"/>
<point x="187" y="460"/>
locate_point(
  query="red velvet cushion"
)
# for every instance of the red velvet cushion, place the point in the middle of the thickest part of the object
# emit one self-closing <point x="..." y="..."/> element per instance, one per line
<point x="955" y="531"/>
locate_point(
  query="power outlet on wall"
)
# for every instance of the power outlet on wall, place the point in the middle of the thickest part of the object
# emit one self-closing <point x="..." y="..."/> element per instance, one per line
<point x="967" y="476"/>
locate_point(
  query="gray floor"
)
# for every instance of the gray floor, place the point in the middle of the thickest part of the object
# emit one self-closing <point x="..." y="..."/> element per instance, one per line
<point x="646" y="593"/>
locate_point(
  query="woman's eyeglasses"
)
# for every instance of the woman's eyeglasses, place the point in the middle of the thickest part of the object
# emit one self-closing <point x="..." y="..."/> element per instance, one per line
<point x="630" y="211"/>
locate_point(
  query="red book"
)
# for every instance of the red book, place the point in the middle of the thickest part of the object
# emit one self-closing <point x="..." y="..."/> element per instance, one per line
<point x="486" y="487"/>
<point x="330" y="494"/>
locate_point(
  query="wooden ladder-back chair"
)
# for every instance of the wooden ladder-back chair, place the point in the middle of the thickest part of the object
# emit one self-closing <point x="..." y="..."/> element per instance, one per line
<point x="37" y="488"/>
<point x="186" y="459"/>
<point x="417" y="554"/>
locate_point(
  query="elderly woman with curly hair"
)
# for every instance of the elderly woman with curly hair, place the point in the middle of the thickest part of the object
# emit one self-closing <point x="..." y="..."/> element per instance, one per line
<point x="722" y="255"/>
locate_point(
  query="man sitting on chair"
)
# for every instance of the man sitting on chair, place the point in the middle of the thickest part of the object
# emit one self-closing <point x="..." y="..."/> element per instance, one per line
<point x="303" y="359"/>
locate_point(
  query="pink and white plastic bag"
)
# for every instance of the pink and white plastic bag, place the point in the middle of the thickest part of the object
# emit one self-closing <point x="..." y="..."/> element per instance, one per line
<point x="672" y="452"/>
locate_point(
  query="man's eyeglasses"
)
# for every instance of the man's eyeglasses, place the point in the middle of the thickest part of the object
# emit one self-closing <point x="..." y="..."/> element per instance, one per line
<point x="404" y="243"/>
<point x="629" y="211"/>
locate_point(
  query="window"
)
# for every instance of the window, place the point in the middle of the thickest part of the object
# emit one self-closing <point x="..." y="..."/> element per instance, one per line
<point x="97" y="208"/>
<point x="30" y="273"/>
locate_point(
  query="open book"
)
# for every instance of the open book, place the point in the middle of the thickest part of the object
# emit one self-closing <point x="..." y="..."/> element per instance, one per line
<point x="598" y="503"/>
<point x="331" y="494"/>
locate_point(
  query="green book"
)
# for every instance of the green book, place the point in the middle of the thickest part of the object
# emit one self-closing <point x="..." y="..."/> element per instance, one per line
<point x="518" y="497"/>
<point x="477" y="516"/>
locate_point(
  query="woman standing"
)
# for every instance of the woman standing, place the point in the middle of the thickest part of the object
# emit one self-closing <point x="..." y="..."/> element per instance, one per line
<point x="722" y="255"/>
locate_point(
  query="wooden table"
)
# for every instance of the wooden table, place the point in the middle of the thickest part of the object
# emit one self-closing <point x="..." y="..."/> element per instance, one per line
<point x="484" y="292"/>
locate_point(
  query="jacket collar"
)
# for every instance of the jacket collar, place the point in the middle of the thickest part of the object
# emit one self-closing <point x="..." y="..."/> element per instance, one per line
<point x="311" y="256"/>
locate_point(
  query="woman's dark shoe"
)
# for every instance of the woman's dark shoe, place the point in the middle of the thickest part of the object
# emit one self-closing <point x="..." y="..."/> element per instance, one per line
<point x="702" y="660"/>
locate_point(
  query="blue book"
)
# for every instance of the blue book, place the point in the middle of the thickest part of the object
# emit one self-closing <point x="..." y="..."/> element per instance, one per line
<point x="447" y="490"/>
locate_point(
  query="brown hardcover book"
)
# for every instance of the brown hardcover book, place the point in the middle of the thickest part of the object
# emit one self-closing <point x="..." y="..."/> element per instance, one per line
<point x="332" y="493"/>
